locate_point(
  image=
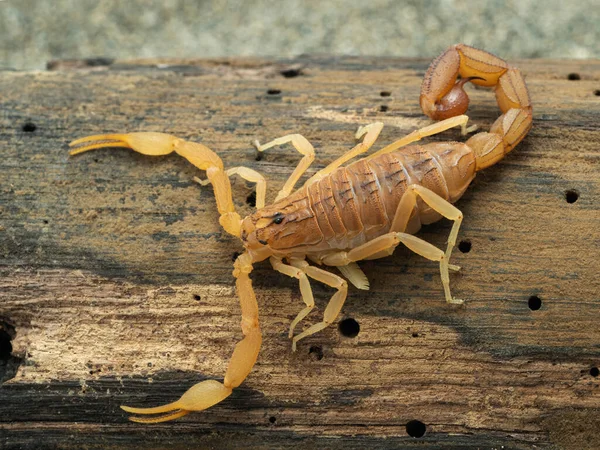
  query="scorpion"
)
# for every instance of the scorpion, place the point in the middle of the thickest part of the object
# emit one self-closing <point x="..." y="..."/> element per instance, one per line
<point x="345" y="214"/>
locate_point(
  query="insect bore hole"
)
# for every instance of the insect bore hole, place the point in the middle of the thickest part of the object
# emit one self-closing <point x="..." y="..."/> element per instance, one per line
<point x="316" y="352"/>
<point x="464" y="246"/>
<point x="251" y="199"/>
<point x="534" y="303"/>
<point x="597" y="92"/>
<point x="416" y="428"/>
<point x="290" y="73"/>
<point x="594" y="371"/>
<point x="384" y="108"/>
<point x="197" y="297"/>
<point x="385" y="93"/>
<point x="5" y="345"/>
<point x="571" y="196"/>
<point x="29" y="127"/>
<point x="272" y="419"/>
<point x="349" y="327"/>
<point x="573" y="76"/>
<point x="274" y="91"/>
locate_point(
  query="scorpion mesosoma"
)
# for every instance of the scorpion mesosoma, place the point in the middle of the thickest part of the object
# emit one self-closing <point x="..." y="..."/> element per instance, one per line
<point x="342" y="215"/>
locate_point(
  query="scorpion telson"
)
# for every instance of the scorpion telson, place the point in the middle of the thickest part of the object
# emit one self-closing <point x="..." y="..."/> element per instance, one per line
<point x="344" y="214"/>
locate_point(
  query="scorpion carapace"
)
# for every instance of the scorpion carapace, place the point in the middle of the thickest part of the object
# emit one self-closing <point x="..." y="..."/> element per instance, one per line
<point x="342" y="215"/>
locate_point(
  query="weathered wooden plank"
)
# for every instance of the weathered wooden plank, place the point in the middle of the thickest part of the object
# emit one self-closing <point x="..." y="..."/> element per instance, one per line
<point x="116" y="278"/>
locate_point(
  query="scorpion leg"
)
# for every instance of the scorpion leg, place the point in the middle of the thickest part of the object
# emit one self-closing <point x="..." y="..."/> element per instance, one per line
<point x="429" y="130"/>
<point x="405" y="209"/>
<point x="207" y="393"/>
<point x="334" y="306"/>
<point x="385" y="245"/>
<point x="249" y="175"/>
<point x="451" y="212"/>
<point x="305" y="148"/>
<point x="370" y="132"/>
<point x="305" y="289"/>
<point x="157" y="144"/>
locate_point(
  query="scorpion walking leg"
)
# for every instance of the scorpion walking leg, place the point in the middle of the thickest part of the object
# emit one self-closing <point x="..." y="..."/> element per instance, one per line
<point x="249" y="175"/>
<point x="449" y="211"/>
<point x="207" y="393"/>
<point x="429" y="130"/>
<point x="334" y="306"/>
<point x="370" y="132"/>
<point x="385" y="245"/>
<point x="156" y="144"/>
<point x="443" y="207"/>
<point x="305" y="289"/>
<point x="305" y="148"/>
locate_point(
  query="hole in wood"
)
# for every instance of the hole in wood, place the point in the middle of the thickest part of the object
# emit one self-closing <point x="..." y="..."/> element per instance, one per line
<point x="274" y="91"/>
<point x="272" y="419"/>
<point x="197" y="297"/>
<point x="290" y="73"/>
<point x="534" y="303"/>
<point x="5" y="346"/>
<point x="571" y="196"/>
<point x="316" y="352"/>
<point x="597" y="92"/>
<point x="415" y="334"/>
<point x="416" y="428"/>
<point x="385" y="93"/>
<point x="235" y="256"/>
<point x="349" y="327"/>
<point x="574" y="76"/>
<point x="9" y="363"/>
<point x="464" y="246"/>
<point x="594" y="372"/>
<point x="384" y="108"/>
<point x="29" y="127"/>
<point x="251" y="199"/>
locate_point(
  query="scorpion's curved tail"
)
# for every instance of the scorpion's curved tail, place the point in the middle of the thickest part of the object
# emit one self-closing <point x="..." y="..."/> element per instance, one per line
<point x="207" y="393"/>
<point x="443" y="97"/>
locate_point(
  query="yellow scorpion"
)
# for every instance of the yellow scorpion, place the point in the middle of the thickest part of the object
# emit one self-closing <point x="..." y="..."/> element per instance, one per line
<point x="342" y="215"/>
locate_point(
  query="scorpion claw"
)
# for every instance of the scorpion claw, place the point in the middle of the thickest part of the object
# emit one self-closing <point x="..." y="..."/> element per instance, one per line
<point x="197" y="398"/>
<point x="97" y="141"/>
<point x="163" y="418"/>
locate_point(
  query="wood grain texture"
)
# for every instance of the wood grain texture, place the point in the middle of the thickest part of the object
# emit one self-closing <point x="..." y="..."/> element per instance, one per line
<point x="116" y="278"/>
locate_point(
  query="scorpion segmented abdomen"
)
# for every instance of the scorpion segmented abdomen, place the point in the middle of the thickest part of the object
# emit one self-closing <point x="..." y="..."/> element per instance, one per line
<point x="357" y="203"/>
<point x="412" y="165"/>
<point x="369" y="199"/>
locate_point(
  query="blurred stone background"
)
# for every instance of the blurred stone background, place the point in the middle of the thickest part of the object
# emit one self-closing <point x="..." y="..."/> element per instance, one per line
<point x="35" y="31"/>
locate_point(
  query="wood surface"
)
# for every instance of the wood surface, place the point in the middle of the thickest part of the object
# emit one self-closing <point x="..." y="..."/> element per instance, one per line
<point x="116" y="283"/>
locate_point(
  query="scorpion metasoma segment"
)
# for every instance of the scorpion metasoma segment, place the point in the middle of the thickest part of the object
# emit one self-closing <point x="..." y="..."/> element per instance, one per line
<point x="342" y="215"/>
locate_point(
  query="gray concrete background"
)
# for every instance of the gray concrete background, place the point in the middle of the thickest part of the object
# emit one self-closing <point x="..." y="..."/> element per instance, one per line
<point x="35" y="31"/>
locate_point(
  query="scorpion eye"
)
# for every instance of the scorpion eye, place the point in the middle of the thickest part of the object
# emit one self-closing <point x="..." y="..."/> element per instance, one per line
<point x="278" y="218"/>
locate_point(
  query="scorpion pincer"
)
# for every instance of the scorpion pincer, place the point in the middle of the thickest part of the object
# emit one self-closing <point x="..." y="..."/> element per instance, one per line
<point x="344" y="214"/>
